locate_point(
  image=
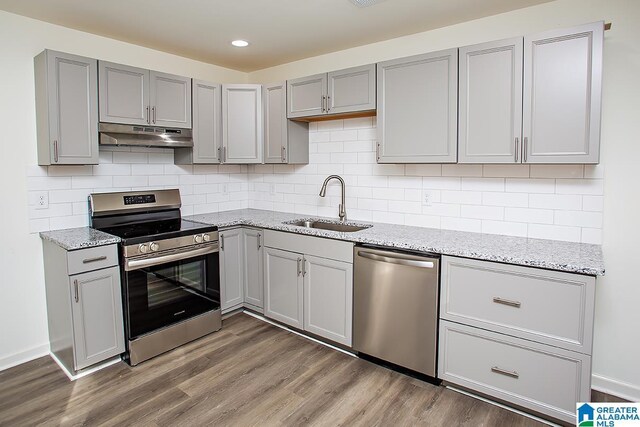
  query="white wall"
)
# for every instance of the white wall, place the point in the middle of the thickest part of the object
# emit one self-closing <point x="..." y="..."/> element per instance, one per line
<point x="560" y="202"/>
<point x="23" y="329"/>
<point x="616" y="347"/>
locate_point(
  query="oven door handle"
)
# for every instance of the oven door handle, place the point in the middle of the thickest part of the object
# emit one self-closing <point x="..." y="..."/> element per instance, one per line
<point x="135" y="264"/>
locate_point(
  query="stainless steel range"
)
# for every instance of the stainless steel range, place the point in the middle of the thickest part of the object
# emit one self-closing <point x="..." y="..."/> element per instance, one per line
<point x="170" y="270"/>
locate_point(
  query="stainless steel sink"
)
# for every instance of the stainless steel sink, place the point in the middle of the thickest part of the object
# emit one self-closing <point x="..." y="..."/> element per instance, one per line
<point x="345" y="228"/>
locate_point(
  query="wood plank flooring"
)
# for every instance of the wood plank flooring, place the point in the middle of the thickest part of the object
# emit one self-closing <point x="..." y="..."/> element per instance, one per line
<point x="249" y="373"/>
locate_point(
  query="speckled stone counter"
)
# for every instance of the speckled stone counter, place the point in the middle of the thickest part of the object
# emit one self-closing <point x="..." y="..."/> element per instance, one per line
<point x="79" y="238"/>
<point x="554" y="255"/>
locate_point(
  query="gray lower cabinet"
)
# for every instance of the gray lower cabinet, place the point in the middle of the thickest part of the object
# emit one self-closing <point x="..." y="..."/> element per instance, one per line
<point x="283" y="286"/>
<point x="490" y="124"/>
<point x="231" y="270"/>
<point x="84" y="305"/>
<point x="344" y="91"/>
<point x="136" y="96"/>
<point x="66" y="109"/>
<point x="285" y="141"/>
<point x="242" y="129"/>
<point x="207" y="126"/>
<point x="253" y="268"/>
<point x="562" y="95"/>
<point x="418" y="109"/>
<point x="328" y="298"/>
<point x="520" y="334"/>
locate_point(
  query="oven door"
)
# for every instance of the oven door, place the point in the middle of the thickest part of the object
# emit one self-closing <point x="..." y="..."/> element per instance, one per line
<point x="166" y="288"/>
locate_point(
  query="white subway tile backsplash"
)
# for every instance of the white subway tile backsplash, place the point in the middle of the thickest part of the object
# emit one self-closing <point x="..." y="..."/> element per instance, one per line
<point x="461" y="170"/>
<point x="483" y="184"/>
<point x="442" y="183"/>
<point x="461" y="197"/>
<point x="48" y="183"/>
<point x="580" y="186"/>
<point x="130" y="181"/>
<point x="441" y="209"/>
<point x="523" y="185"/>
<point x="70" y="170"/>
<point x="579" y="218"/>
<point x="505" y="227"/>
<point x="92" y="182"/>
<point x="505" y="171"/>
<point x="593" y="203"/>
<point x="147" y="169"/>
<point x="518" y="200"/>
<point x="592" y="235"/>
<point x="557" y="171"/>
<point x="555" y="201"/>
<point x="482" y="212"/>
<point x="554" y="232"/>
<point x="111" y="169"/>
<point x="423" y="170"/>
<point x="531" y="216"/>
<point x="461" y="224"/>
<point x="128" y="157"/>
<point x="66" y="196"/>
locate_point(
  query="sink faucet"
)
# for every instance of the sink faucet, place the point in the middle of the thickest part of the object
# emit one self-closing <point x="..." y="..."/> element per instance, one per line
<point x="342" y="210"/>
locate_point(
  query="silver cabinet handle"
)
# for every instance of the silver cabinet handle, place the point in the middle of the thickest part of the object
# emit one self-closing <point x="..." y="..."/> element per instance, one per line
<point x="524" y="149"/>
<point x="96" y="259"/>
<point x="512" y="374"/>
<point x="55" y="150"/>
<point x="75" y="290"/>
<point x="136" y="264"/>
<point x="378" y="151"/>
<point x="299" y="269"/>
<point x="219" y="155"/>
<point x="516" y="149"/>
<point x="259" y="244"/>
<point x="510" y="303"/>
<point x="224" y="154"/>
<point x="304" y="266"/>
<point x="153" y="110"/>
<point x="284" y="154"/>
<point x="394" y="260"/>
<point x="328" y="103"/>
<point x="148" y="116"/>
<point x="222" y="242"/>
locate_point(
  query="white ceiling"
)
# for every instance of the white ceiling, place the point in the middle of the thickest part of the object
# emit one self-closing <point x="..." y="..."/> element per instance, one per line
<point x="279" y="31"/>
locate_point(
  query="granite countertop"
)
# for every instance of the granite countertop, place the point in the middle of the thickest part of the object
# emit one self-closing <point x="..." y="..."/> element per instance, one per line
<point x="79" y="238"/>
<point x="572" y="257"/>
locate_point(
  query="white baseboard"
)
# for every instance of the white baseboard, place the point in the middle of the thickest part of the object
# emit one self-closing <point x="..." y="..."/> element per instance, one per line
<point x="621" y="389"/>
<point x="24" y="356"/>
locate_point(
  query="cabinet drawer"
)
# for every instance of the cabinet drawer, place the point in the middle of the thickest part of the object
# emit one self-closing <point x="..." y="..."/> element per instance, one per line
<point x="92" y="259"/>
<point x="551" y="307"/>
<point x="310" y="245"/>
<point x="535" y="376"/>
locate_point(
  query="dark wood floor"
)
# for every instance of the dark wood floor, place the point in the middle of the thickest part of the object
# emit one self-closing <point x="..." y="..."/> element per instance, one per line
<point x="249" y="373"/>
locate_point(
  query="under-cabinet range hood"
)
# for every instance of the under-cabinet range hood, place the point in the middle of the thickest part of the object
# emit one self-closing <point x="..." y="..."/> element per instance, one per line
<point x="144" y="136"/>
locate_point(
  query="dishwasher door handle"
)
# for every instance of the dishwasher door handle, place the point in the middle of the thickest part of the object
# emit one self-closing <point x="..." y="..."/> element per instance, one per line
<point x="397" y="260"/>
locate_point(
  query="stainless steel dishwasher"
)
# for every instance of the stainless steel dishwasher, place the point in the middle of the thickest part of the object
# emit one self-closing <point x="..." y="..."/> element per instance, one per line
<point x="396" y="307"/>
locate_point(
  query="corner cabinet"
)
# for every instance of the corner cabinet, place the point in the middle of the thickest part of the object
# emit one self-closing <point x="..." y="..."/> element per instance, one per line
<point x="418" y="109"/>
<point x="345" y="91"/>
<point x="66" y="109"/>
<point x="231" y="270"/>
<point x="207" y="126"/>
<point x="136" y="96"/>
<point x="285" y="141"/>
<point x="84" y="305"/>
<point x="308" y="284"/>
<point x="242" y="131"/>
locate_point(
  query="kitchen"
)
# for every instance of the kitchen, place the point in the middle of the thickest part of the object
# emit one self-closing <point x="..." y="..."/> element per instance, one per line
<point x="380" y="193"/>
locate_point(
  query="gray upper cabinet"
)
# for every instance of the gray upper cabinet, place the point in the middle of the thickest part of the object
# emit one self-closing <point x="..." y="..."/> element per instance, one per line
<point x="170" y="100"/>
<point x="231" y="270"/>
<point x="285" y="141"/>
<point x="418" y="109"/>
<point x="306" y="96"/>
<point x="351" y="90"/>
<point x="207" y="126"/>
<point x="562" y="95"/>
<point x="66" y="108"/>
<point x="98" y="329"/>
<point x="136" y="96"/>
<point x="490" y="122"/>
<point x="242" y="131"/>
<point x="283" y="286"/>
<point x="338" y="92"/>
<point x="253" y="269"/>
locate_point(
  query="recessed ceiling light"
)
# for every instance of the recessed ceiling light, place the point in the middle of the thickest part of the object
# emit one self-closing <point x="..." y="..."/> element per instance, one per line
<point x="240" y="43"/>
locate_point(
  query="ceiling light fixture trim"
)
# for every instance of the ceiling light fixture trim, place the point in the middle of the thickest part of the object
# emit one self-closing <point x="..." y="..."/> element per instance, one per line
<point x="240" y="43"/>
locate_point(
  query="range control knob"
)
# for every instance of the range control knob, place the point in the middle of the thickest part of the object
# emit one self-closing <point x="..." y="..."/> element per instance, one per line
<point x="154" y="246"/>
<point x="197" y="238"/>
<point x="143" y="249"/>
<point x="206" y="237"/>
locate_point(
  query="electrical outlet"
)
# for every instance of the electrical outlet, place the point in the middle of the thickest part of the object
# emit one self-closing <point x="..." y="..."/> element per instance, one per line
<point x="42" y="200"/>
<point x="426" y="198"/>
<point x="224" y="188"/>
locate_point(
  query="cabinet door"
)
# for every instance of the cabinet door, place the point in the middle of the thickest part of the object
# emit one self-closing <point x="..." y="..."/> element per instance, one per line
<point x="418" y="109"/>
<point x="170" y="100"/>
<point x="98" y="330"/>
<point x="253" y="271"/>
<point x="207" y="122"/>
<point x="242" y="123"/>
<point x="72" y="103"/>
<point x="490" y="126"/>
<point x="275" y="122"/>
<point x="124" y="94"/>
<point x="306" y="96"/>
<point x="328" y="298"/>
<point x="231" y="269"/>
<point x="353" y="89"/>
<point x="562" y="95"/>
<point x="283" y="286"/>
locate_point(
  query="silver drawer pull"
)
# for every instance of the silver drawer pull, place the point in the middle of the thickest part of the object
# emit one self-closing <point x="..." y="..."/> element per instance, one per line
<point x="512" y="374"/>
<point x="396" y="260"/>
<point x="96" y="259"/>
<point x="510" y="303"/>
